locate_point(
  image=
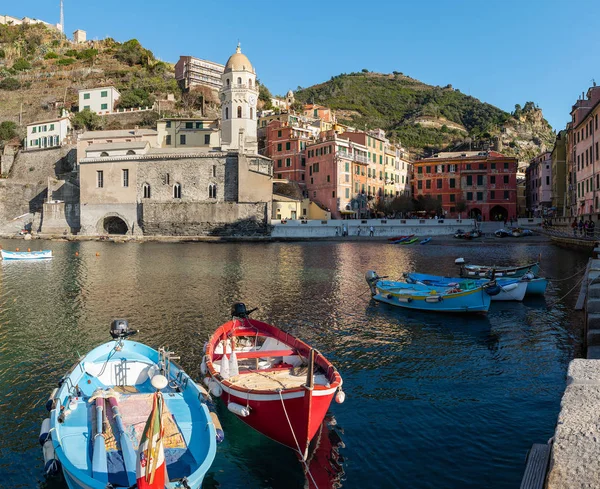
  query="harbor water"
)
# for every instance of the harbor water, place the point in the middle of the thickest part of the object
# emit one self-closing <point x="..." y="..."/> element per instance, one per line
<point x="432" y="400"/>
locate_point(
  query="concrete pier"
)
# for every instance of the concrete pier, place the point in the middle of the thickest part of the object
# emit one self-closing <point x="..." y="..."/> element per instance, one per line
<point x="575" y="458"/>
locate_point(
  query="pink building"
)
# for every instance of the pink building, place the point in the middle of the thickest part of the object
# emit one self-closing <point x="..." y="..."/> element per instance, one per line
<point x="584" y="151"/>
<point x="539" y="185"/>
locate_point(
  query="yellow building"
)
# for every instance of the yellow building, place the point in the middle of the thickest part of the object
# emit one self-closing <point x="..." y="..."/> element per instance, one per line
<point x="188" y="132"/>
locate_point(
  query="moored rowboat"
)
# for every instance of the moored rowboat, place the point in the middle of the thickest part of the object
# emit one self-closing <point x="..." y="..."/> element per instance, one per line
<point x="99" y="411"/>
<point x="509" y="289"/>
<point x="471" y="298"/>
<point x="271" y="380"/>
<point x="477" y="271"/>
<point x="26" y="255"/>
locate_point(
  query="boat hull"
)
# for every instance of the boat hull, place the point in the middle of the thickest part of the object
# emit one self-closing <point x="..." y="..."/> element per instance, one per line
<point x="475" y="300"/>
<point x="97" y="371"/>
<point x="508" y="291"/>
<point x="26" y="255"/>
<point x="480" y="271"/>
<point x="537" y="286"/>
<point x="293" y="422"/>
<point x="268" y="416"/>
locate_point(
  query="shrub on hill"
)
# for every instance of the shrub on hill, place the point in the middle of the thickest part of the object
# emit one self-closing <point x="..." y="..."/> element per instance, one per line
<point x="21" y="65"/>
<point x="10" y="84"/>
<point x="8" y="130"/>
<point x="86" y="119"/>
<point x="65" y="61"/>
<point x="136" y="97"/>
<point x="132" y="53"/>
<point x="51" y="55"/>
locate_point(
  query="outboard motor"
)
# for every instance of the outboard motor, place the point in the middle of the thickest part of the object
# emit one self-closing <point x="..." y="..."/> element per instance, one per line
<point x="238" y="310"/>
<point x="372" y="278"/>
<point x="119" y="329"/>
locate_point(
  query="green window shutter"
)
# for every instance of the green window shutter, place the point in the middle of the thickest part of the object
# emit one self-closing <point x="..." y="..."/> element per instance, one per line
<point x="104" y="107"/>
<point x="86" y="96"/>
<point x="104" y="94"/>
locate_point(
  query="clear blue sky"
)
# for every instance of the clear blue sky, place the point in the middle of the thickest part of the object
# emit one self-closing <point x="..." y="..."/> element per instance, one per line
<point x="501" y="51"/>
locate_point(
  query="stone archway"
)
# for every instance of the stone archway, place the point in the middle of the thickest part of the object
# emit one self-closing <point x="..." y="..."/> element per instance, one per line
<point x="498" y="213"/>
<point x="113" y="224"/>
<point x="474" y="213"/>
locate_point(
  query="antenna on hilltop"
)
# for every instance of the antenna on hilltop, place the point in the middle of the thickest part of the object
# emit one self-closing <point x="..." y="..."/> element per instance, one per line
<point x="62" y="18"/>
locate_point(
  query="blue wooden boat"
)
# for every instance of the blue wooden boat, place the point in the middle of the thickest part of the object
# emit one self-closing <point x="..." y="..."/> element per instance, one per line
<point x="26" y="255"/>
<point x="426" y="240"/>
<point x="473" y="298"/>
<point x="509" y="289"/>
<point x="535" y="285"/>
<point x="99" y="410"/>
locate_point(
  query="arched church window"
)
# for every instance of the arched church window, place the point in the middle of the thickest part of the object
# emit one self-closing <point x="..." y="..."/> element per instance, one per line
<point x="250" y="82"/>
<point x="227" y="81"/>
<point x="104" y="153"/>
<point x="239" y="80"/>
<point x="226" y="112"/>
<point x="212" y="191"/>
<point x="239" y="111"/>
<point x="146" y="191"/>
<point x="177" y="191"/>
<point x="130" y="152"/>
<point x="251" y="114"/>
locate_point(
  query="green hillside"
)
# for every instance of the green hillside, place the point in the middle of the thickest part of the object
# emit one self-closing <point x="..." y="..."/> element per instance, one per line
<point x="424" y="117"/>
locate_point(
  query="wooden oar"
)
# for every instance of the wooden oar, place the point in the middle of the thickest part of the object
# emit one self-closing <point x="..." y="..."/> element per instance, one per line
<point x="124" y="440"/>
<point x="99" y="459"/>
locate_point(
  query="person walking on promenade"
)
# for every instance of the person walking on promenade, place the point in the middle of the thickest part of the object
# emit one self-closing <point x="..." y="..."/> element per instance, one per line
<point x="358" y="231"/>
<point x="344" y="230"/>
<point x="371" y="231"/>
<point x="574" y="227"/>
<point x="580" y="225"/>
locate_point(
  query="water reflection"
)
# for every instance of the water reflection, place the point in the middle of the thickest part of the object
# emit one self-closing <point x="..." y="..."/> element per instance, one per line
<point x="470" y="393"/>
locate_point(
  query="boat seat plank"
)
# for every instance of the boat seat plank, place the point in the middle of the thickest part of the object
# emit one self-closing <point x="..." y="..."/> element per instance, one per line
<point x="251" y="332"/>
<point x="259" y="354"/>
<point x="537" y="467"/>
<point x="283" y="378"/>
<point x="77" y="429"/>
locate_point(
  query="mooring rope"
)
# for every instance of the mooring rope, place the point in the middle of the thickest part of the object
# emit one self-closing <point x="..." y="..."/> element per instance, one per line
<point x="297" y="444"/>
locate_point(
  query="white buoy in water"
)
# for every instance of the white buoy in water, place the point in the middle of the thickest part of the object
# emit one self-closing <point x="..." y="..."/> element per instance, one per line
<point x="340" y="397"/>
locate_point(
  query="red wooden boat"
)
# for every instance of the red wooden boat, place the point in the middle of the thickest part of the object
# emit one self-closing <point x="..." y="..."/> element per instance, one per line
<point x="397" y="238"/>
<point x="271" y="380"/>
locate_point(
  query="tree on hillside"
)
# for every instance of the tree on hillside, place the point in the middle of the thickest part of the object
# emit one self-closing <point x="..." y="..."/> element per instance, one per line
<point x="10" y="84"/>
<point x="136" y="97"/>
<point x="8" y="130"/>
<point x="264" y="95"/>
<point x="21" y="65"/>
<point x="86" y="119"/>
<point x="132" y="53"/>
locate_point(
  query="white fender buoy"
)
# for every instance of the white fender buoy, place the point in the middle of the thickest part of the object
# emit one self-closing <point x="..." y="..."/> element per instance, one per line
<point x="203" y="367"/>
<point x="340" y="397"/>
<point x="50" y="401"/>
<point x="233" y="365"/>
<point x="215" y="388"/>
<point x="238" y="409"/>
<point x="224" y="366"/>
<point x="50" y="462"/>
<point x="509" y="287"/>
<point x="207" y="380"/>
<point x="44" y="431"/>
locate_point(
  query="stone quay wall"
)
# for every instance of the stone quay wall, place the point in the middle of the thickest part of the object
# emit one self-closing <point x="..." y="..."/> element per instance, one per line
<point x="204" y="219"/>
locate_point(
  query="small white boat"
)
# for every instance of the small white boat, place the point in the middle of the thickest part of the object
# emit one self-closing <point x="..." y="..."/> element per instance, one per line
<point x="26" y="255"/>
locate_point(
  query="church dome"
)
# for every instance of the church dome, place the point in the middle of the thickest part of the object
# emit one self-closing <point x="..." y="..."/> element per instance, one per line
<point x="238" y="62"/>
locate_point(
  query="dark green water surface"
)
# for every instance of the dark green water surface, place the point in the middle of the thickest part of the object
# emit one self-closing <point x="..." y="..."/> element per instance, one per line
<point x="433" y="401"/>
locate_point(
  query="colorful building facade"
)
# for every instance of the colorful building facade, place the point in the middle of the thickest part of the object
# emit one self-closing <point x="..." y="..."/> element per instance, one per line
<point x="539" y="185"/>
<point x="486" y="182"/>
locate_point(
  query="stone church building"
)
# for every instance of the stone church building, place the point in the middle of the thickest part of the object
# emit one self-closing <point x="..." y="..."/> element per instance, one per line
<point x="133" y="187"/>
